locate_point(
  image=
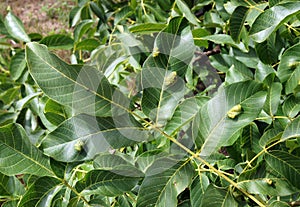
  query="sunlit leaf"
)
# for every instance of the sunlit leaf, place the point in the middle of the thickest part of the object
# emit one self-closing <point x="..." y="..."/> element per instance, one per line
<point x="271" y="19"/>
<point x="83" y="87"/>
<point x="15" y="27"/>
<point x="215" y="128"/>
<point x="82" y="137"/>
<point x="268" y="186"/>
<point x="162" y="188"/>
<point x="187" y="12"/>
<point x="292" y="130"/>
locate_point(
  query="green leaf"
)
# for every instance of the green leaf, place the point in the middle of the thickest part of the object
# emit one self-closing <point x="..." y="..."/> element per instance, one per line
<point x="289" y="69"/>
<point x="268" y="186"/>
<point x="225" y="39"/>
<point x="271" y="19"/>
<point x="292" y="130"/>
<point x="54" y="112"/>
<point x="147" y="28"/>
<point x="291" y="106"/>
<point x="286" y="165"/>
<point x="235" y="74"/>
<point x="198" y="188"/>
<point x="162" y="189"/>
<point x="160" y="78"/>
<point x="269" y="136"/>
<point x="58" y="41"/>
<point x="255" y="11"/>
<point x="262" y="71"/>
<point x="122" y="14"/>
<point x="216" y="126"/>
<point x="268" y="51"/>
<point x="83" y="136"/>
<point x="273" y="98"/>
<point x="279" y="204"/>
<point x="8" y="96"/>
<point x="187" y="12"/>
<point x="18" y="155"/>
<point x="15" y="27"/>
<point x="197" y="34"/>
<point x="10" y="186"/>
<point x="98" y="10"/>
<point x="218" y="197"/>
<point x="87" y="44"/>
<point x="105" y="183"/>
<point x="81" y="29"/>
<point x="237" y="21"/>
<point x="116" y="164"/>
<point x="17" y="65"/>
<point x="185" y="113"/>
<point x="74" y="82"/>
<point x="41" y="192"/>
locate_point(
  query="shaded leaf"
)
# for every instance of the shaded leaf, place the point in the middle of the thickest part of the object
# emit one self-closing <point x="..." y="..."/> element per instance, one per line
<point x="116" y="164"/>
<point x="105" y="183"/>
<point x="87" y="44"/>
<point x="269" y="136"/>
<point x="18" y="155"/>
<point x="279" y="204"/>
<point x="217" y="197"/>
<point x="273" y="98"/>
<point x="237" y="21"/>
<point x="268" y="50"/>
<point x="58" y="41"/>
<point x="41" y="192"/>
<point x="82" y="28"/>
<point x="198" y="188"/>
<point x="286" y="165"/>
<point x="17" y="65"/>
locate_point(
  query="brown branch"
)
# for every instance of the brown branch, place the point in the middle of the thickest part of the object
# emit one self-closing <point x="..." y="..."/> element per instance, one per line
<point x="294" y="203"/>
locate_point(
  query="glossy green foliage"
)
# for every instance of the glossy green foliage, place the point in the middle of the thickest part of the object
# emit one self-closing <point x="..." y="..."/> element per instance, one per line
<point x="161" y="103"/>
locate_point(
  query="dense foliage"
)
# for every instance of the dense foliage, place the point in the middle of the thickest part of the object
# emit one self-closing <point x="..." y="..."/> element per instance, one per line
<point x="163" y="103"/>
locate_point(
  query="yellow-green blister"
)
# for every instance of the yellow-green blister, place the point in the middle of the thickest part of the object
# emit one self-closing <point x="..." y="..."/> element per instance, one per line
<point x="234" y="111"/>
<point x="79" y="145"/>
<point x="171" y="78"/>
<point x="155" y="52"/>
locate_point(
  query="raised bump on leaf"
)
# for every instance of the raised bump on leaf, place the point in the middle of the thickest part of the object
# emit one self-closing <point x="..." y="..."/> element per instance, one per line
<point x="234" y="111"/>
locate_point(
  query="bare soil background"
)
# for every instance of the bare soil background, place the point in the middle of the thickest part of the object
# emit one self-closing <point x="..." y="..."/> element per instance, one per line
<point x="41" y="16"/>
